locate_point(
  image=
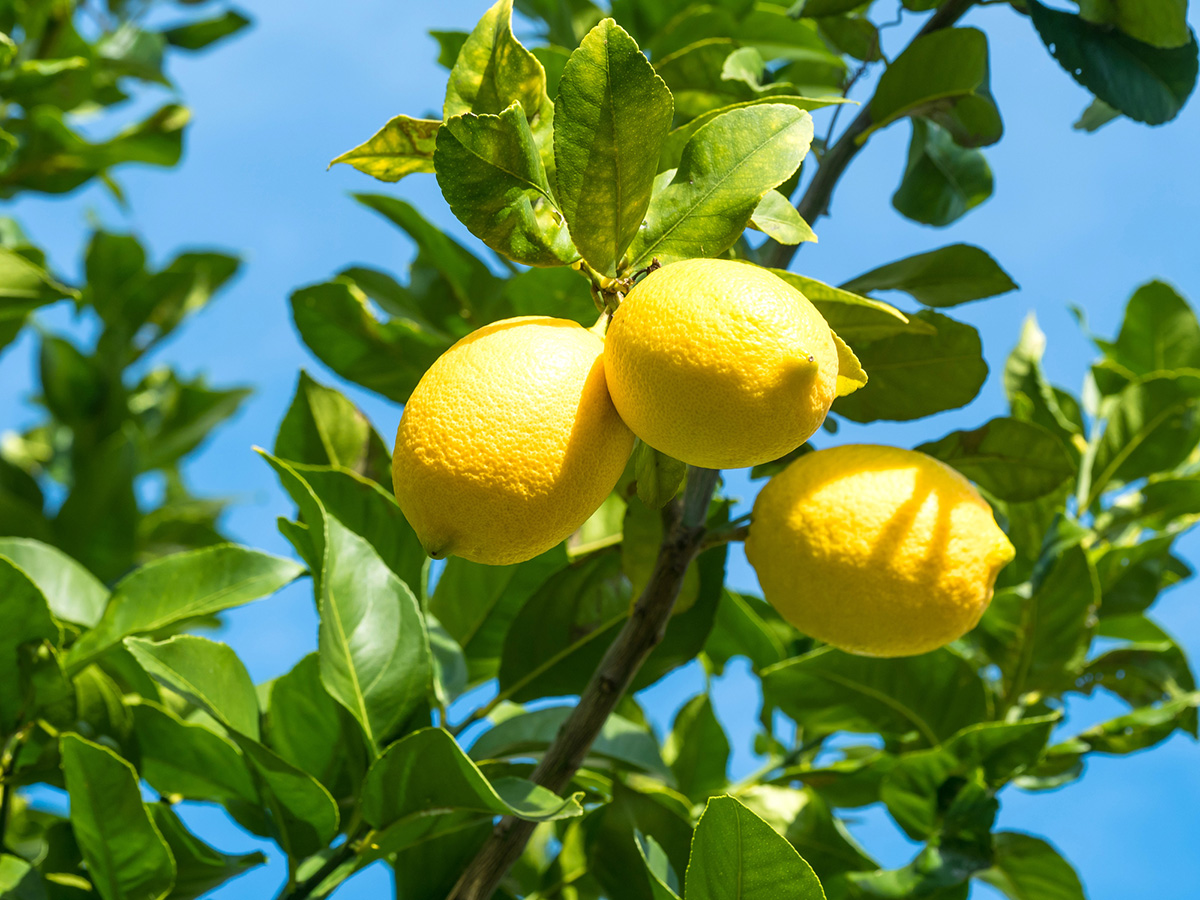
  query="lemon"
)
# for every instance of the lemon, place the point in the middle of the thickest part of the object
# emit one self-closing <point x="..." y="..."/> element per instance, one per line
<point x="509" y="442"/>
<point x="720" y="364"/>
<point x="876" y="550"/>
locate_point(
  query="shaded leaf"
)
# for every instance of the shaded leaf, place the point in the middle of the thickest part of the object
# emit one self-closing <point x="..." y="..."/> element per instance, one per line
<point x="952" y="275"/>
<point x="200" y="868"/>
<point x="1013" y="460"/>
<point x="198" y="35"/>
<point x="1146" y="83"/>
<point x="1025" y="867"/>
<point x="698" y="750"/>
<point x="917" y="375"/>
<point x="942" y="181"/>
<point x="25" y="616"/>
<point x="659" y="476"/>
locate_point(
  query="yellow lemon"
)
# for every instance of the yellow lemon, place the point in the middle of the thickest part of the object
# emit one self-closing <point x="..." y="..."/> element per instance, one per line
<point x="720" y="364"/>
<point x="876" y="550"/>
<point x="509" y="442"/>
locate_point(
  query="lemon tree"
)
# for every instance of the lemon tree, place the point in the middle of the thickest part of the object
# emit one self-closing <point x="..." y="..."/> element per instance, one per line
<point x="626" y="321"/>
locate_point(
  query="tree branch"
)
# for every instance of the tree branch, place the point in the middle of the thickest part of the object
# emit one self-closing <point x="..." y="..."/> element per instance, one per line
<point x="815" y="202"/>
<point x="641" y="634"/>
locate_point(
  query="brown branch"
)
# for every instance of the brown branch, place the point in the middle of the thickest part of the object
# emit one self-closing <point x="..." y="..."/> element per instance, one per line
<point x="815" y="202"/>
<point x="641" y="634"/>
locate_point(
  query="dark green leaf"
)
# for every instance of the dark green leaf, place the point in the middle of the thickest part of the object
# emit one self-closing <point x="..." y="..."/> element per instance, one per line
<point x="1028" y="868"/>
<point x="207" y="673"/>
<point x="449" y="44"/>
<point x="946" y="277"/>
<point x="611" y="837"/>
<point x="200" y="868"/>
<point x="1160" y="333"/>
<point x="494" y="180"/>
<point x="1152" y="426"/>
<point x="1144" y="82"/>
<point x="658" y="869"/>
<point x="404" y="146"/>
<point x="126" y="856"/>
<point x="198" y="35"/>
<point x="1010" y="459"/>
<point x="659" y="477"/>
<point x="941" y="76"/>
<point x="698" y="750"/>
<point x="336" y="321"/>
<point x="427" y="771"/>
<point x="611" y="116"/>
<point x="26" y="617"/>
<point x="931" y="696"/>
<point x="726" y="168"/>
<point x="738" y="856"/>
<point x="917" y="375"/>
<point x="528" y="734"/>
<point x="181" y="587"/>
<point x="73" y="593"/>
<point x="19" y="880"/>
<point x="942" y="181"/>
<point x="307" y="727"/>
<point x="304" y="816"/>
<point x="741" y="630"/>
<point x="74" y="387"/>
<point x="477" y="604"/>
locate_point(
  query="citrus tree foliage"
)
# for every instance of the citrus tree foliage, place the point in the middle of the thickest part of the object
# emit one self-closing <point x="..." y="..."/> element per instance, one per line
<point x="102" y="426"/>
<point x="653" y="130"/>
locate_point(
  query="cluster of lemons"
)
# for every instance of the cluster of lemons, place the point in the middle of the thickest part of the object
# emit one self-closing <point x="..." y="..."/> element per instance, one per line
<point x="517" y="434"/>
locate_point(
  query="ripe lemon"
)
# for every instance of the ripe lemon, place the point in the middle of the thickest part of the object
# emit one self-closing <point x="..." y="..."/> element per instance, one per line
<point x="509" y="442"/>
<point x="876" y="550"/>
<point x="720" y="364"/>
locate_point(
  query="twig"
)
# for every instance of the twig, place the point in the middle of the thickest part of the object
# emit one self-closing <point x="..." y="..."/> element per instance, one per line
<point x="815" y="202"/>
<point x="641" y="634"/>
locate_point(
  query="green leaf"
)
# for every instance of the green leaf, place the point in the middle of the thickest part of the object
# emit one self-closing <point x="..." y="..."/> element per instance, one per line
<point x="25" y="285"/>
<point x="493" y="70"/>
<point x="726" y="168"/>
<point x="942" y="181"/>
<point x="611" y="116"/>
<point x="127" y="858"/>
<point x="1043" y="638"/>
<point x="1144" y="82"/>
<point x="672" y="151"/>
<point x="25" y="616"/>
<point x="738" y="856"/>
<point x="449" y="44"/>
<point x="74" y="594"/>
<point x="931" y="696"/>
<point x="191" y="761"/>
<point x="698" y="750"/>
<point x="200" y="868"/>
<point x="1162" y="23"/>
<point x="658" y="868"/>
<point x="323" y="427"/>
<point x="1013" y="460"/>
<point x="305" y="726"/>
<point x="917" y="375"/>
<point x="741" y="629"/>
<point x="179" y="587"/>
<point x="1151" y="427"/>
<point x="659" y="476"/>
<point x="374" y="649"/>
<point x="1025" y="867"/>
<point x="941" y="76"/>
<point x="404" y="146"/>
<point x="952" y="275"/>
<point x="19" y="880"/>
<point x="612" y="836"/>
<point x="477" y="604"/>
<point x="335" y="320"/>
<point x="198" y="35"/>
<point x="778" y="219"/>
<point x="207" y="673"/>
<point x="427" y="771"/>
<point x="528" y="734"/>
<point x="819" y="8"/>
<point x="495" y="182"/>
<point x="852" y="316"/>
<point x="1160" y="333"/>
<point x="1096" y="116"/>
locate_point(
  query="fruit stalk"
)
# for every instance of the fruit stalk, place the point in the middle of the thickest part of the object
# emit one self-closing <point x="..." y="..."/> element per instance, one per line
<point x="815" y="202"/>
<point x="642" y="633"/>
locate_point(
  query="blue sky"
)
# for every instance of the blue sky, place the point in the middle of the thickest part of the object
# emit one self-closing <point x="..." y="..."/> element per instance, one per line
<point x="1076" y="219"/>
